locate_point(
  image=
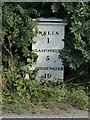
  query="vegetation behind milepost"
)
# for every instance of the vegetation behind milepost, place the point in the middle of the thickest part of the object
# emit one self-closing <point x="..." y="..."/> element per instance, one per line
<point x="20" y="94"/>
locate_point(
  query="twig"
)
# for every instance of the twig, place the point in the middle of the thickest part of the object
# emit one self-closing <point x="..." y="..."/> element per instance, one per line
<point x="8" y="51"/>
<point x="73" y="78"/>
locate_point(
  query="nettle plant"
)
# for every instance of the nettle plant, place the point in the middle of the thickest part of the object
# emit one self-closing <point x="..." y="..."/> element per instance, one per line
<point x="19" y="29"/>
<point x="76" y="52"/>
<point x="78" y="47"/>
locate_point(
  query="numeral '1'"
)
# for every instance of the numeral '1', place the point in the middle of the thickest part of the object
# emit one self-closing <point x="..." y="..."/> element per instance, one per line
<point x="47" y="40"/>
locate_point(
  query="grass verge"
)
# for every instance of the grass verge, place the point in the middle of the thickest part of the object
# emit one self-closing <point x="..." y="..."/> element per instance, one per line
<point x="49" y="99"/>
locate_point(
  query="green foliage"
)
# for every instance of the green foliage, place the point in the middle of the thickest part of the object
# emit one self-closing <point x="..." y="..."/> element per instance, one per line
<point x="55" y="7"/>
<point x="76" y="51"/>
<point x="18" y="74"/>
<point x="45" y="97"/>
<point x="78" y="98"/>
<point x="19" y="30"/>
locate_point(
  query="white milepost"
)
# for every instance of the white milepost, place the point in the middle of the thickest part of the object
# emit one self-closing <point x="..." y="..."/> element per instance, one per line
<point x="48" y="44"/>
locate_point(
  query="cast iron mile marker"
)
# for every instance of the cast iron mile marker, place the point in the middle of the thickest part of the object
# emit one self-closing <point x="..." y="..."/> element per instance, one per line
<point x="48" y="45"/>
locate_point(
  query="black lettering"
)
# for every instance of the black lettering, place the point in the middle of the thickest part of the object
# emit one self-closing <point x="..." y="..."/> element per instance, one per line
<point x="61" y="68"/>
<point x="47" y="40"/>
<point x="47" y="75"/>
<point x="40" y="33"/>
<point x="47" y="58"/>
<point x="49" y="33"/>
<point x="50" y="68"/>
<point x="39" y="50"/>
<point x="44" y="33"/>
<point x="53" y="33"/>
<point x="57" y="33"/>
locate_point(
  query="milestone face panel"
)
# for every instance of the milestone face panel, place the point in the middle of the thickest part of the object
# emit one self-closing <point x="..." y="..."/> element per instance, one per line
<point x="48" y="46"/>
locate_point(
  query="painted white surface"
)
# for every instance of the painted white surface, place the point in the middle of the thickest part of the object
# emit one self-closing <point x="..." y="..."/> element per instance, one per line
<point x="49" y="64"/>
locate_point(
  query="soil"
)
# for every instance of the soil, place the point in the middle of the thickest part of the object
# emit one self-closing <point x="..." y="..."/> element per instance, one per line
<point x="73" y="113"/>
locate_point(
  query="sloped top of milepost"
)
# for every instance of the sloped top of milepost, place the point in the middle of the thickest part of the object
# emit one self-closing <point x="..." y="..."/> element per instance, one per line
<point x="53" y="20"/>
